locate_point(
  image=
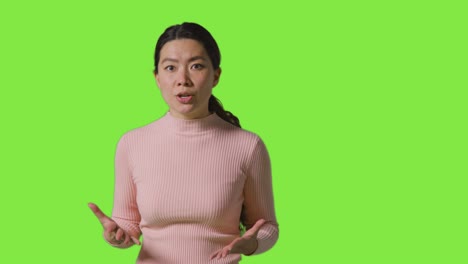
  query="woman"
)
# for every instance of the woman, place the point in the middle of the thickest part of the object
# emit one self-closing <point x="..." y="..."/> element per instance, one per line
<point x="186" y="181"/>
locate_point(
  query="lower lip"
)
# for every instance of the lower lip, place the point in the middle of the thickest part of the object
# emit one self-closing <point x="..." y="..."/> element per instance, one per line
<point x="184" y="100"/>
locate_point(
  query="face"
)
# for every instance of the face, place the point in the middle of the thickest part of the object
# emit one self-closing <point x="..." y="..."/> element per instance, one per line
<point x="186" y="78"/>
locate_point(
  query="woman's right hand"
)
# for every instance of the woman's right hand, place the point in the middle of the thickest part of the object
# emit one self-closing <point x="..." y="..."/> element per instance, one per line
<point x="113" y="234"/>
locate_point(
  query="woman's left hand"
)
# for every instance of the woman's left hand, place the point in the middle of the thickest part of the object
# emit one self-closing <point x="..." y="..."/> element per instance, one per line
<point x="246" y="244"/>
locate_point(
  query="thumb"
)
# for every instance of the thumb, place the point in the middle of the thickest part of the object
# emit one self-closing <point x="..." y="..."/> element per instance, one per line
<point x="255" y="228"/>
<point x="104" y="219"/>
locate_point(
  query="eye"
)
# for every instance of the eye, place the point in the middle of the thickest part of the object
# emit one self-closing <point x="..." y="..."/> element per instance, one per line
<point x="169" y="68"/>
<point x="198" y="66"/>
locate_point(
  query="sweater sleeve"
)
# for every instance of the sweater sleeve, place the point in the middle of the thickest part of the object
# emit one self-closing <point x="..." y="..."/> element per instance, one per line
<point x="125" y="212"/>
<point x="258" y="198"/>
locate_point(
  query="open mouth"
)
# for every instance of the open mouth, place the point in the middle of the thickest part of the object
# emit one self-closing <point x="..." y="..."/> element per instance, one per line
<point x="184" y="98"/>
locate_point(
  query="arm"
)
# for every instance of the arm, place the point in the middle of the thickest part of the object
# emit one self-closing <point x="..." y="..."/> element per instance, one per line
<point x="125" y="212"/>
<point x="122" y="230"/>
<point x="258" y="213"/>
<point x="258" y="198"/>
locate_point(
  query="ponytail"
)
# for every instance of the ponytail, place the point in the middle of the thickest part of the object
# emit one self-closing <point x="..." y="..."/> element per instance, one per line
<point x="214" y="105"/>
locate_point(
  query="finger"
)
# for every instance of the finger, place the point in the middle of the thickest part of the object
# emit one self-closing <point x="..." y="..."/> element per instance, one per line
<point x="126" y="240"/>
<point x="215" y="255"/>
<point x="255" y="228"/>
<point x="259" y="223"/>
<point x="109" y="236"/>
<point x="225" y="252"/>
<point x="135" y="240"/>
<point x="119" y="234"/>
<point x="233" y="247"/>
<point x="98" y="213"/>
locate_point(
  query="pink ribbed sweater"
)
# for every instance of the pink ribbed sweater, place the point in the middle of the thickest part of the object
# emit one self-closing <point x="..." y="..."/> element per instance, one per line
<point x="183" y="183"/>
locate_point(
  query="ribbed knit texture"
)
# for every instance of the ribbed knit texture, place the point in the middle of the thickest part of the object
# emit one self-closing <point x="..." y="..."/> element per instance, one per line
<point x="183" y="183"/>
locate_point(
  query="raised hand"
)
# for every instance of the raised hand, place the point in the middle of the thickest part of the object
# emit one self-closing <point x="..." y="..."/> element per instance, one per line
<point x="246" y="244"/>
<point x="113" y="234"/>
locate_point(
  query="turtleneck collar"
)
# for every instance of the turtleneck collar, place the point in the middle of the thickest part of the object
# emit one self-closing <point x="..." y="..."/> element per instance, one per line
<point x="191" y="126"/>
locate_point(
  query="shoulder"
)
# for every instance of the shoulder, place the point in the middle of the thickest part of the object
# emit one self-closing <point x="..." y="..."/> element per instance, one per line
<point x="240" y="139"/>
<point x="239" y="133"/>
<point x="143" y="132"/>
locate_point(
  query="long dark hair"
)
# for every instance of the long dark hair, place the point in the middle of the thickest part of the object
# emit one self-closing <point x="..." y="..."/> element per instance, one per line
<point x="196" y="32"/>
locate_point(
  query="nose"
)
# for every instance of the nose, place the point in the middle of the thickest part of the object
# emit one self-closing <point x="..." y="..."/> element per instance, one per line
<point x="183" y="78"/>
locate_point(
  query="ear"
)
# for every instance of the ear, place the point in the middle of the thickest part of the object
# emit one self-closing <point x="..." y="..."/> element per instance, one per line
<point x="156" y="77"/>
<point x="217" y="74"/>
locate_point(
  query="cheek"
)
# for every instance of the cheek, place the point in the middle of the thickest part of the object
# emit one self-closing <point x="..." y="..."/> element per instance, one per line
<point x="164" y="88"/>
<point x="207" y="81"/>
<point x="160" y="82"/>
<point x="166" y="93"/>
<point x="163" y="79"/>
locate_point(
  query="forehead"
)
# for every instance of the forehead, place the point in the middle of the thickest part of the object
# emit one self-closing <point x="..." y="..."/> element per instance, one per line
<point x="183" y="49"/>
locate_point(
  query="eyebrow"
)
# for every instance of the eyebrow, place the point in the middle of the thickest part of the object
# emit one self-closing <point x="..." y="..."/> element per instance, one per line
<point x="190" y="60"/>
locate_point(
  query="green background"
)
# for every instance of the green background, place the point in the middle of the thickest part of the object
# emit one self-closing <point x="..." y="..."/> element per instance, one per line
<point x="362" y="105"/>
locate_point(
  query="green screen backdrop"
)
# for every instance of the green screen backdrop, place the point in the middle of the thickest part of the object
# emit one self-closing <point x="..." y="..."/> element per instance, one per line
<point x="362" y="105"/>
